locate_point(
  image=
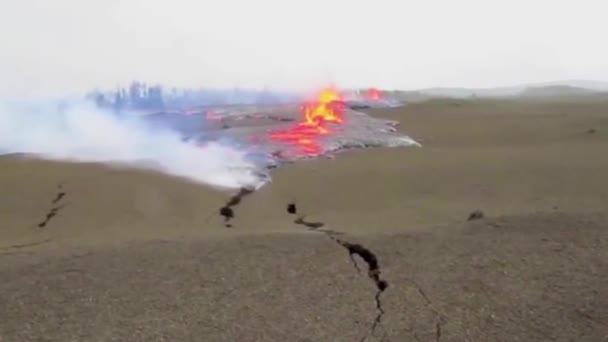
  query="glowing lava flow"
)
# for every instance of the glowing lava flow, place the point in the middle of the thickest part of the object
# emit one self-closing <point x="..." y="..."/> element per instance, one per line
<point x="328" y="109"/>
<point x="373" y="94"/>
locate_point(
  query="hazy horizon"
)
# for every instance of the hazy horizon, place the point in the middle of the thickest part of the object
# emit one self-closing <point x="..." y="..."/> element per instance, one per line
<point x="68" y="46"/>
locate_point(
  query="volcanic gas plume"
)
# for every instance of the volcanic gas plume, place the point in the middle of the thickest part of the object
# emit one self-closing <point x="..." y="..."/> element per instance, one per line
<point x="79" y="132"/>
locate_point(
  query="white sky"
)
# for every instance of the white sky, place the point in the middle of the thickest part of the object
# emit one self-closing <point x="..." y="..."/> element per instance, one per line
<point x="51" y="46"/>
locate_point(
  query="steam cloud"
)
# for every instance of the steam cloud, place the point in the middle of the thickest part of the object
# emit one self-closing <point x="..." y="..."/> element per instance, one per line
<point x="80" y="132"/>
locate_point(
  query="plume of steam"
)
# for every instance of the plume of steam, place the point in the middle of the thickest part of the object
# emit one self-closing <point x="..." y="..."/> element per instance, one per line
<point x="80" y="132"/>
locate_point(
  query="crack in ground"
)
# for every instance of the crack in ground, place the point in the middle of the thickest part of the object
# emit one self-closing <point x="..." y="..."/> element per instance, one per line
<point x="227" y="210"/>
<point x="24" y="245"/>
<point x="54" y="209"/>
<point x="353" y="249"/>
<point x="61" y="194"/>
<point x="16" y="249"/>
<point x="440" y="319"/>
<point x="589" y="317"/>
<point x="373" y="273"/>
<point x="49" y="216"/>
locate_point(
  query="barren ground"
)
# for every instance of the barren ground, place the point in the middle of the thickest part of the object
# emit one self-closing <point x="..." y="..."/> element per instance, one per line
<point x="136" y="256"/>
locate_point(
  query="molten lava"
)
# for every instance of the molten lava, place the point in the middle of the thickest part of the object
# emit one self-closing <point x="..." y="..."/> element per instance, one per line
<point x="210" y="115"/>
<point x="373" y="94"/>
<point x="328" y="109"/>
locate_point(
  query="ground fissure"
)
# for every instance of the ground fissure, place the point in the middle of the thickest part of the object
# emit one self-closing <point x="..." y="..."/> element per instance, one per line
<point x="353" y="249"/>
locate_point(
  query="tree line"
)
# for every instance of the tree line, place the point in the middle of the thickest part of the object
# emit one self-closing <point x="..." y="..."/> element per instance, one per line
<point x="141" y="96"/>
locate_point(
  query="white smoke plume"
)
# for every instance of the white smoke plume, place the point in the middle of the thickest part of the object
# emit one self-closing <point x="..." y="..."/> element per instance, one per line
<point x="80" y="132"/>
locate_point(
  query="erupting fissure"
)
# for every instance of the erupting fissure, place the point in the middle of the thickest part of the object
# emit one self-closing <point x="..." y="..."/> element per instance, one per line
<point x="317" y="116"/>
<point x="373" y="94"/>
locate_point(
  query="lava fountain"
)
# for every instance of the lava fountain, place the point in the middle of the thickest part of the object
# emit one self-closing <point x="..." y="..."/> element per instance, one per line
<point x="318" y="117"/>
<point x="373" y="94"/>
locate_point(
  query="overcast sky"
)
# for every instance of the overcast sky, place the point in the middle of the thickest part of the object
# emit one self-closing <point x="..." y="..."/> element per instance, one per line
<point x="52" y="46"/>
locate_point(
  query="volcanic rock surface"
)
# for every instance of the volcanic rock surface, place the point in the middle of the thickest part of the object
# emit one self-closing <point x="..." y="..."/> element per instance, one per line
<point x="274" y="134"/>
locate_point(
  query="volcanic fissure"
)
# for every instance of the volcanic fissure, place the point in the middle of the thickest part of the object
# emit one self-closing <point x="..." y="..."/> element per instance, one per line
<point x="353" y="249"/>
<point x="55" y="208"/>
<point x="227" y="210"/>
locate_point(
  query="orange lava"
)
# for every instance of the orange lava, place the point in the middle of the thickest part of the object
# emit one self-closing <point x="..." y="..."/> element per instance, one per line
<point x="317" y="116"/>
<point x="373" y="94"/>
<point x="212" y="116"/>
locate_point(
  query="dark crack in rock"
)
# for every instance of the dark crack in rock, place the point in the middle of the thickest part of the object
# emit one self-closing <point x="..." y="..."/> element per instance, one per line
<point x="366" y="255"/>
<point x="227" y="210"/>
<point x="476" y="215"/>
